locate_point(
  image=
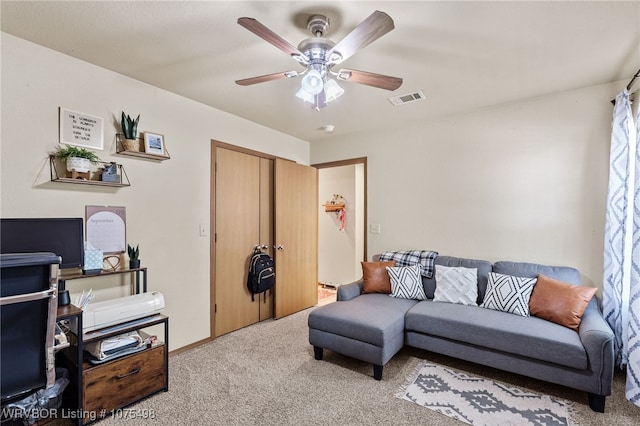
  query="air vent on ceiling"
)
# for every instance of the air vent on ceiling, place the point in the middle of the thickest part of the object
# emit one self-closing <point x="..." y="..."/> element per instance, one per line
<point x="405" y="99"/>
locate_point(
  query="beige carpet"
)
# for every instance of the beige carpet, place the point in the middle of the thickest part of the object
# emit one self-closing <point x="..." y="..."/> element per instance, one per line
<point x="265" y="374"/>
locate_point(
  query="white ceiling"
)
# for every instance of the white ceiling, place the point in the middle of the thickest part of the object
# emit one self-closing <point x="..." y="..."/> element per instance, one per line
<point x="462" y="55"/>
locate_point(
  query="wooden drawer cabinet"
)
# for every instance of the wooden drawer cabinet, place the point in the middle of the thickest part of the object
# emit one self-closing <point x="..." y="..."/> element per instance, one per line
<point x="124" y="381"/>
<point x="96" y="390"/>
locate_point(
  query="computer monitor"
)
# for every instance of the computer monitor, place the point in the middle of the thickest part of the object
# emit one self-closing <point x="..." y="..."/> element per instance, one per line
<point x="62" y="236"/>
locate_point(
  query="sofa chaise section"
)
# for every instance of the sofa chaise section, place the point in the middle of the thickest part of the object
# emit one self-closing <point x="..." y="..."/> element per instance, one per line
<point x="369" y="328"/>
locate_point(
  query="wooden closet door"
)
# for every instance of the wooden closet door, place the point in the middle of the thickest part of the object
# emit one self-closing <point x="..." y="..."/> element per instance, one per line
<point x="266" y="229"/>
<point x="296" y="232"/>
<point x="237" y="226"/>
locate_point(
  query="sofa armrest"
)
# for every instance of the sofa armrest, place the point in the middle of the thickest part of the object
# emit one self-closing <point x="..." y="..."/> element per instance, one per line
<point x="349" y="291"/>
<point x="598" y="340"/>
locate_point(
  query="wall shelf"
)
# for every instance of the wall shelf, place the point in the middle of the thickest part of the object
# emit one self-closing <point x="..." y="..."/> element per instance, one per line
<point x="333" y="207"/>
<point x="139" y="154"/>
<point x="57" y="177"/>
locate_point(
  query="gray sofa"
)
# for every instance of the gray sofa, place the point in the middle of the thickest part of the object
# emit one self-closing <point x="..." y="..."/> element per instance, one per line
<point x="374" y="327"/>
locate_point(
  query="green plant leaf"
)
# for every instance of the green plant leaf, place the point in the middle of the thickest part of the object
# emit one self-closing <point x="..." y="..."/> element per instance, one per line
<point x="73" y="151"/>
<point x="134" y="254"/>
<point x="129" y="126"/>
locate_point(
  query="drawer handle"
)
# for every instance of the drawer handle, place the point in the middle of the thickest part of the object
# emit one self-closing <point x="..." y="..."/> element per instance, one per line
<point x="131" y="373"/>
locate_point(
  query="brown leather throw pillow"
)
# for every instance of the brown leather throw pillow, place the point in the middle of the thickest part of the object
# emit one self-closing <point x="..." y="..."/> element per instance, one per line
<point x="375" y="277"/>
<point x="560" y="302"/>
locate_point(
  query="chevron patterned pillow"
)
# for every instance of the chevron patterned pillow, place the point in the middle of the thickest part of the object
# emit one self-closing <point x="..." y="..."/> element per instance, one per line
<point x="456" y="285"/>
<point x="508" y="293"/>
<point x="406" y="282"/>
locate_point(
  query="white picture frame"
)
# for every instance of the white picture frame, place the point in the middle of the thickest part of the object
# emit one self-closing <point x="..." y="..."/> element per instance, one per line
<point x="80" y="129"/>
<point x="154" y="144"/>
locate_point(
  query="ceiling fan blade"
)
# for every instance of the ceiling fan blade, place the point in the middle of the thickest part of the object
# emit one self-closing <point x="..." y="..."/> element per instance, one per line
<point x="369" y="30"/>
<point x="370" y="79"/>
<point x="266" y="34"/>
<point x="268" y="77"/>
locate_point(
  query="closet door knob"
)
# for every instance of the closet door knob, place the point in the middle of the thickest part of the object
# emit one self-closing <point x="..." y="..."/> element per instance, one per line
<point x="279" y="247"/>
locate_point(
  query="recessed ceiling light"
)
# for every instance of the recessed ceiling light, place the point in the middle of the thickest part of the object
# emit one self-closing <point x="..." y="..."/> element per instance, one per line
<point x="328" y="128"/>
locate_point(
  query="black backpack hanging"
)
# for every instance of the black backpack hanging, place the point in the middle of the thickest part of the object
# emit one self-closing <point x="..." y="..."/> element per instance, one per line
<point x="262" y="273"/>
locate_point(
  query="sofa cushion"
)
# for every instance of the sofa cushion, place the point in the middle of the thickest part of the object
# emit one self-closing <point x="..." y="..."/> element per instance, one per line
<point x="424" y="258"/>
<point x="375" y="278"/>
<point x="371" y="318"/>
<point x="483" y="267"/>
<point x="508" y="294"/>
<point x="532" y="270"/>
<point x="560" y="302"/>
<point x="529" y="337"/>
<point x="456" y="284"/>
<point x="406" y="282"/>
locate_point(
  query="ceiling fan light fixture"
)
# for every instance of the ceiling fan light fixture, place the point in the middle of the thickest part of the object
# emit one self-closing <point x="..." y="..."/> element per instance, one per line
<point x="332" y="91"/>
<point x="312" y="82"/>
<point x="306" y="96"/>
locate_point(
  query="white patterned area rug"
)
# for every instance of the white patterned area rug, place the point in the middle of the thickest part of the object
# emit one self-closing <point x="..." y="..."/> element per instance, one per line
<point x="478" y="401"/>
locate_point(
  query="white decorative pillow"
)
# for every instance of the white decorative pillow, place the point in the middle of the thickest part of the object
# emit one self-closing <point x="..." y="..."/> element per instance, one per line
<point x="456" y="285"/>
<point x="508" y="293"/>
<point x="406" y="282"/>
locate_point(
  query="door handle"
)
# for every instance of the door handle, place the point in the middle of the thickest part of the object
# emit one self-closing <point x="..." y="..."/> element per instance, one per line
<point x="261" y="247"/>
<point x="279" y="247"/>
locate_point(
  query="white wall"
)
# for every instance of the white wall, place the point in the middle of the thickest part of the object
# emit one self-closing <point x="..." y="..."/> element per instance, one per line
<point x="166" y="201"/>
<point x="340" y="252"/>
<point x="525" y="181"/>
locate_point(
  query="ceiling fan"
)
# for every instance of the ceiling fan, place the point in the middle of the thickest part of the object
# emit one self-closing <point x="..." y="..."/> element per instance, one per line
<point x="319" y="55"/>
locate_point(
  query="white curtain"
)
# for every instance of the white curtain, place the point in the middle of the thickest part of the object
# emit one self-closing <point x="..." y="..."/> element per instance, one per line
<point x="621" y="287"/>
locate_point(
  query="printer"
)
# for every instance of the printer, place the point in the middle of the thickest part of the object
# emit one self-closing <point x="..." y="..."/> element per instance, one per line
<point x="104" y="314"/>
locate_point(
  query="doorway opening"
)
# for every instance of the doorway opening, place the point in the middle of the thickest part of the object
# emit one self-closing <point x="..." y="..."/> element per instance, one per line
<point x="342" y="242"/>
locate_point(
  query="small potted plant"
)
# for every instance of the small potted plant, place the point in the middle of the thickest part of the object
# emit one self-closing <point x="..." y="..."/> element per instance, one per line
<point x="78" y="159"/>
<point x="134" y="256"/>
<point x="130" y="132"/>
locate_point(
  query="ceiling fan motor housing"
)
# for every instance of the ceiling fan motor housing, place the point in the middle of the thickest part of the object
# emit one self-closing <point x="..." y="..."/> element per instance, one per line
<point x="318" y="25"/>
<point x="315" y="49"/>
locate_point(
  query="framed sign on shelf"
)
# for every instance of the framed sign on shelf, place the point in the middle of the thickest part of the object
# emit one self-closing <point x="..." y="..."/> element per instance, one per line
<point x="80" y="129"/>
<point x="106" y="228"/>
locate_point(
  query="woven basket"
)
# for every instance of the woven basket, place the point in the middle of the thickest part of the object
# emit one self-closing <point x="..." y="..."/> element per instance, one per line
<point x="131" y="145"/>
